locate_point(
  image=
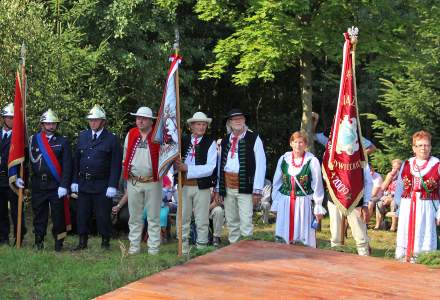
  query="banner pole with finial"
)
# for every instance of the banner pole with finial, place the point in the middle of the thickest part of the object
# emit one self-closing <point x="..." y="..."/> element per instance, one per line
<point x="179" y="132"/>
<point x="20" y="190"/>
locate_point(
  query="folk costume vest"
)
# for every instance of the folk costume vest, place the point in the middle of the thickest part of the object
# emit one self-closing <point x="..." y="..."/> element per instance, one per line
<point x="246" y="157"/>
<point x="201" y="156"/>
<point x="134" y="138"/>
<point x="431" y="181"/>
<point x="304" y="177"/>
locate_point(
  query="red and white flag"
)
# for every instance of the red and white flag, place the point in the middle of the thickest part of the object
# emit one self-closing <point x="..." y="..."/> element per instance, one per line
<point x="344" y="157"/>
<point x="165" y="132"/>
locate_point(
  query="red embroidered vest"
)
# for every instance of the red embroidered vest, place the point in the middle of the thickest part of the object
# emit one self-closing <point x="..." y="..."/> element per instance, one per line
<point x="431" y="180"/>
<point x="133" y="136"/>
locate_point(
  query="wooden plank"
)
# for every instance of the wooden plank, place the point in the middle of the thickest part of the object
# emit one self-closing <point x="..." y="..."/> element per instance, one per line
<point x="263" y="270"/>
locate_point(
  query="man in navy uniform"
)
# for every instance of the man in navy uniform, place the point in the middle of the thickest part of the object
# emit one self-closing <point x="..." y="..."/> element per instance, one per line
<point x="51" y="165"/>
<point x="97" y="168"/>
<point x="6" y="193"/>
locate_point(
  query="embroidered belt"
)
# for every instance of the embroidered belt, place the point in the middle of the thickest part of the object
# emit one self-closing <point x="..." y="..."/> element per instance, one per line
<point x="232" y="180"/>
<point x="141" y="179"/>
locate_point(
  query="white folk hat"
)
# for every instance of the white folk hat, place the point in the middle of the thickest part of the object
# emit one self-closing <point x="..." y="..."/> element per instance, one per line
<point x="199" y="117"/>
<point x="145" y="112"/>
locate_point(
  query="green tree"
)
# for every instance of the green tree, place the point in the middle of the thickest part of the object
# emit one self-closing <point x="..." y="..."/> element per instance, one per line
<point x="412" y="96"/>
<point x="269" y="37"/>
<point x="59" y="67"/>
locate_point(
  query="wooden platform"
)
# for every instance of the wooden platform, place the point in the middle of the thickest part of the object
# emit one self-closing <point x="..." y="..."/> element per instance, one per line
<point x="263" y="270"/>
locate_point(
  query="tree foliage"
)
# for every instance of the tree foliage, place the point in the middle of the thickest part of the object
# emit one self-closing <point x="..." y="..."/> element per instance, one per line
<point x="243" y="54"/>
<point x="411" y="97"/>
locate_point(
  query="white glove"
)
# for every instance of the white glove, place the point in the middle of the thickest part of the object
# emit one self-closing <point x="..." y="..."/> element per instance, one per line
<point x="62" y="192"/>
<point x="74" y="187"/>
<point x="111" y="192"/>
<point x="19" y="183"/>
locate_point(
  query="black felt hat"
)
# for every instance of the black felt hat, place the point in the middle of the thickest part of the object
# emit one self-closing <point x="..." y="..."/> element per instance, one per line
<point x="236" y="112"/>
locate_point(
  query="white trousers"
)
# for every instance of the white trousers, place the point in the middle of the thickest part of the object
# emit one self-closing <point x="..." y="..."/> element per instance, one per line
<point x="196" y="201"/>
<point x="217" y="216"/>
<point x="238" y="212"/>
<point x="357" y="226"/>
<point x="143" y="195"/>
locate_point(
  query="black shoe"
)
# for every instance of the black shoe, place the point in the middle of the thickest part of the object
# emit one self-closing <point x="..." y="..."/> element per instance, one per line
<point x="105" y="244"/>
<point x="82" y="243"/>
<point x="58" y="245"/>
<point x="216" y="241"/>
<point x="39" y="245"/>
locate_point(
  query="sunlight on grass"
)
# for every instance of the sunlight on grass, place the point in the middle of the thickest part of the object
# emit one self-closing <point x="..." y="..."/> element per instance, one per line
<point x="27" y="274"/>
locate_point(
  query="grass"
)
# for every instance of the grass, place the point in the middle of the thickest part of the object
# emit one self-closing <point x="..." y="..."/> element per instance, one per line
<point x="29" y="274"/>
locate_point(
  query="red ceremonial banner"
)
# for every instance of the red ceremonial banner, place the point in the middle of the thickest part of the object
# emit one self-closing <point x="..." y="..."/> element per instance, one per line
<point x="16" y="151"/>
<point x="344" y="157"/>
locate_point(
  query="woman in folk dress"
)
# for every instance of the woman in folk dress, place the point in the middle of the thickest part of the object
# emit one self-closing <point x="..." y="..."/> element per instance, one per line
<point x="417" y="196"/>
<point x="294" y="206"/>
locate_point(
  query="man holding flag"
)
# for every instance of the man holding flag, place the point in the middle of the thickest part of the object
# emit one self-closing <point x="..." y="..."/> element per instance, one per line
<point x="51" y="163"/>
<point x="7" y="195"/>
<point x="345" y="168"/>
<point x="140" y="167"/>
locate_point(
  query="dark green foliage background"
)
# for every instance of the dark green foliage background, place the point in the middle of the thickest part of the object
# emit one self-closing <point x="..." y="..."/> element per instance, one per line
<point x="236" y="54"/>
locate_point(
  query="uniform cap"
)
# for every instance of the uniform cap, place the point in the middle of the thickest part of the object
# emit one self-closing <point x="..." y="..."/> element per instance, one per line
<point x="97" y="112"/>
<point x="8" y="110"/>
<point x="49" y="117"/>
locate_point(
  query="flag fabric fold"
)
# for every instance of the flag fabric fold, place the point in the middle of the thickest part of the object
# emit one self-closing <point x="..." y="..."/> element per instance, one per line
<point x="17" y="148"/>
<point x="166" y="130"/>
<point x="344" y="157"/>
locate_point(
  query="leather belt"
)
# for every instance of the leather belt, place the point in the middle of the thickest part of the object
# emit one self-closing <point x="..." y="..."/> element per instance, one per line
<point x="189" y="182"/>
<point x="44" y="178"/>
<point x="89" y="176"/>
<point x="232" y="180"/>
<point x="3" y="173"/>
<point x="142" y="179"/>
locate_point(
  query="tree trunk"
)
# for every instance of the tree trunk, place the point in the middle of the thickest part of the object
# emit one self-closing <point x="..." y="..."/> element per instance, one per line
<point x="305" y="64"/>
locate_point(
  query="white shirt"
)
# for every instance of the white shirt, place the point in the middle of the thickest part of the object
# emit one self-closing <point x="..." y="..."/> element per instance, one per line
<point x="98" y="133"/>
<point x="200" y="171"/>
<point x="233" y="165"/>
<point x="9" y="132"/>
<point x="368" y="185"/>
<point x="377" y="183"/>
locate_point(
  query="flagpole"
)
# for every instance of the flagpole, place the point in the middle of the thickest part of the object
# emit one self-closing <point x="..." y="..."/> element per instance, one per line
<point x="179" y="134"/>
<point x="20" y="190"/>
<point x="353" y="32"/>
